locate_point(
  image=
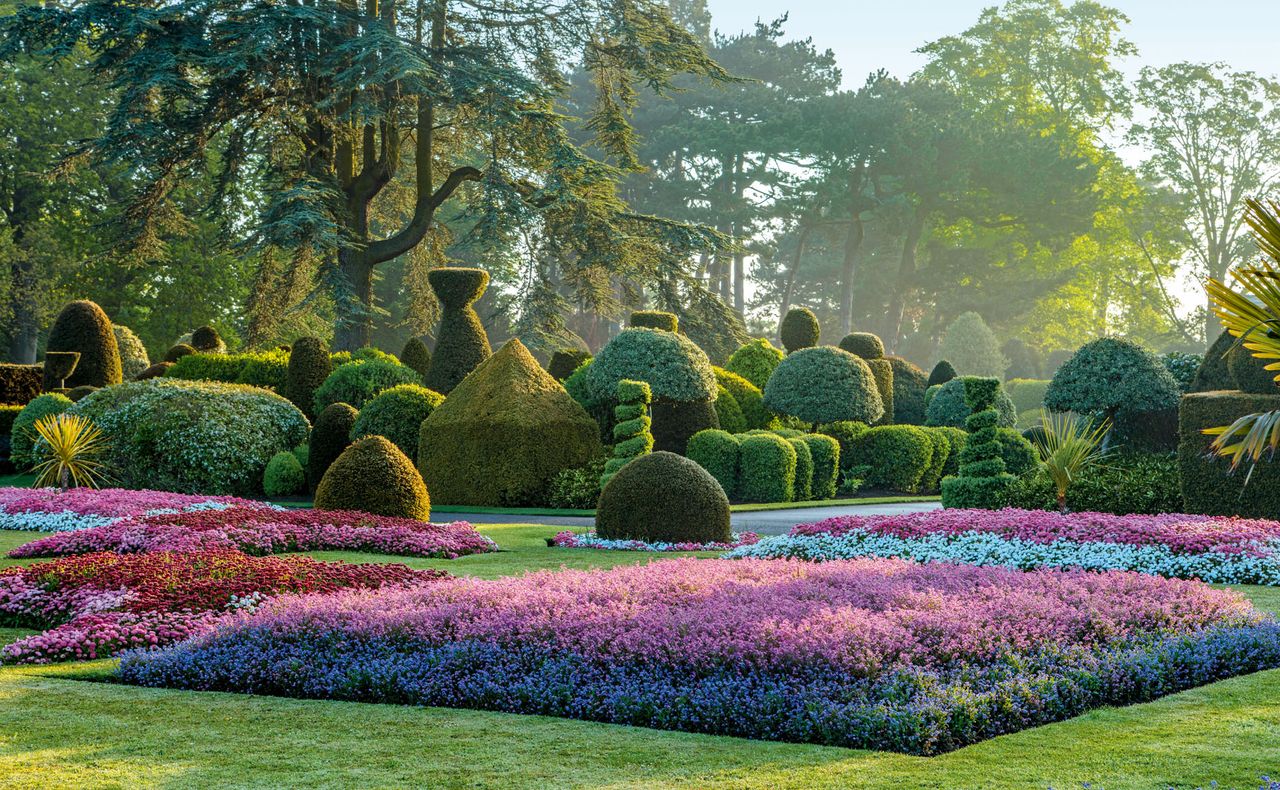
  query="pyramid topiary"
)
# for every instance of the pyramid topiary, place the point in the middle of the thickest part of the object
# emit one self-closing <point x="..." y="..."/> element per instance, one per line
<point x="330" y="436"/>
<point x="83" y="327"/>
<point x="397" y="413"/>
<point x="824" y="384"/>
<point x="133" y="354"/>
<point x="663" y="497"/>
<point x="655" y="319"/>
<point x="983" y="481"/>
<point x="461" y="342"/>
<point x="755" y="362"/>
<point x="416" y="355"/>
<point x="631" y="434"/>
<point x="799" y="329"/>
<point x="309" y="366"/>
<point x="503" y="434"/>
<point x="373" y="476"/>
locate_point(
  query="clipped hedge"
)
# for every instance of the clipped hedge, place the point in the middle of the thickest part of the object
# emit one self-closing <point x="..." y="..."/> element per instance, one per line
<point x="20" y="384"/>
<point x="717" y="451"/>
<point x="331" y="435"/>
<point x="266" y="369"/>
<point x="23" y="435"/>
<point x="749" y="398"/>
<point x="177" y="351"/>
<point x="825" y="453"/>
<point x="897" y="457"/>
<point x="373" y="476"/>
<point x="845" y="432"/>
<point x="1146" y="483"/>
<point x="932" y="476"/>
<point x="728" y="412"/>
<point x="309" y="365"/>
<point x="755" y="362"/>
<point x="461" y="342"/>
<point x="663" y="497"/>
<point x="674" y="422"/>
<point x="193" y="436"/>
<point x="81" y="326"/>
<point x="909" y="385"/>
<point x="655" y="319"/>
<point x="956" y="438"/>
<point x="1027" y="394"/>
<point x="863" y="344"/>
<point x="1214" y="373"/>
<point x="1208" y="485"/>
<point x="824" y="384"/>
<point x="360" y="380"/>
<point x="766" y="468"/>
<point x="802" y="487"/>
<point x="397" y="414"/>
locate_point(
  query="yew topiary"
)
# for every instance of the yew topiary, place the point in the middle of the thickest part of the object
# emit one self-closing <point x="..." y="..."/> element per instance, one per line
<point x="717" y="452"/>
<point x="397" y="413"/>
<point x="360" y="380"/>
<point x="755" y="362"/>
<point x="863" y="344"/>
<point x="284" y="475"/>
<point x="207" y="340"/>
<point x="663" y="497"/>
<point x="824" y="384"/>
<point x="309" y="366"/>
<point x="461" y="342"/>
<point x="948" y="406"/>
<point x="330" y="436"/>
<point x="564" y="362"/>
<point x="982" y="481"/>
<point x="655" y="319"/>
<point x="133" y="354"/>
<point x="177" y="351"/>
<point x="799" y="329"/>
<point x="941" y="373"/>
<point x="373" y="476"/>
<point x="84" y="328"/>
<point x="417" y="356"/>
<point x="154" y="372"/>
<point x="749" y="398"/>
<point x="909" y="385"/>
<point x="1214" y="373"/>
<point x="631" y="430"/>
<point x="1124" y="381"/>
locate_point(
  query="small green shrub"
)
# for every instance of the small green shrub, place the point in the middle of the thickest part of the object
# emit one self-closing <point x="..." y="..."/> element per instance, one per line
<point x="373" y="476"/>
<point x="799" y="329"/>
<point x="177" y="351"/>
<point x="825" y="453"/>
<point x="1183" y="367"/>
<point x="755" y="362"/>
<point x="133" y="354"/>
<point x="206" y="339"/>
<point x="266" y="369"/>
<point x="359" y="381"/>
<point x="23" y="433"/>
<point x="728" y="412"/>
<point x="863" y="344"/>
<point x="766" y="468"/>
<point x="577" y="488"/>
<point x="947" y="406"/>
<point x="309" y="366"/>
<point x="331" y="435"/>
<point x="663" y="497"/>
<point x="956" y="438"/>
<point x="397" y="413"/>
<point x="655" y="319"/>
<point x="1125" y="483"/>
<point x="416" y="356"/>
<point x="824" y="384"/>
<point x="461" y="342"/>
<point x="897" y="456"/>
<point x="284" y="476"/>
<point x="845" y="432"/>
<point x="84" y="328"/>
<point x="717" y="452"/>
<point x="154" y="372"/>
<point x="909" y="385"/>
<point x="77" y="394"/>
<point x="1018" y="454"/>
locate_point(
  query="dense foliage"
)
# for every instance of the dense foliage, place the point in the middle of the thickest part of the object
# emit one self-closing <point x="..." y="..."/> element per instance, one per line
<point x="824" y="384"/>
<point x="664" y="497"/>
<point x="397" y="414"/>
<point x="373" y="476"/>
<point x="360" y="380"/>
<point x="948" y="406"/>
<point x="82" y="327"/>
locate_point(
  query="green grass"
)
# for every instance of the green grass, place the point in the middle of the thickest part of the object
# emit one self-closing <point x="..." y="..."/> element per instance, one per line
<point x="58" y="730"/>
<point x="749" y="507"/>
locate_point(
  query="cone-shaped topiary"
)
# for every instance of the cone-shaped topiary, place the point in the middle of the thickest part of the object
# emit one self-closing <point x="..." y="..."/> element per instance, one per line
<point x="397" y="413"/>
<point x="207" y="340"/>
<point x="755" y="362"/>
<point x="461" y="342"/>
<point x="309" y="366"/>
<point x="799" y="329"/>
<point x="330" y="436"/>
<point x="284" y="475"/>
<point x="133" y="354"/>
<point x="631" y="434"/>
<point x="663" y="497"/>
<point x="177" y="351"/>
<point x="655" y="319"/>
<point x="863" y="344"/>
<point x="83" y="327"/>
<point x="373" y="476"/>
<point x="982" y="481"/>
<point x="824" y="384"/>
<point x="503" y="434"/>
<point x="416" y="355"/>
<point x="565" y="361"/>
<point x="941" y="373"/>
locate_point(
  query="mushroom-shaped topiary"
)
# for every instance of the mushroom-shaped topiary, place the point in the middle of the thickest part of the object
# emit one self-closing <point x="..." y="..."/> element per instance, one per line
<point x="655" y="319"/>
<point x="461" y="342"/>
<point x="397" y="413"/>
<point x="863" y="344"/>
<point x="373" y="476"/>
<point x="330" y="436"/>
<point x="799" y="329"/>
<point x="416" y="355"/>
<point x="133" y="354"/>
<point x="309" y="366"/>
<point x="755" y="362"/>
<point x="83" y="327"/>
<point x="941" y="373"/>
<point x="663" y="497"/>
<point x="1114" y="377"/>
<point x="824" y="384"/>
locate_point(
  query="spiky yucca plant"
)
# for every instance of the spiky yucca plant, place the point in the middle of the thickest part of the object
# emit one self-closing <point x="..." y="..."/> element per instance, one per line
<point x="68" y="448"/>
<point x="1069" y="444"/>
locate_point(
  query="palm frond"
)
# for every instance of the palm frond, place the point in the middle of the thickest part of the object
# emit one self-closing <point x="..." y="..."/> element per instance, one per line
<point x="1249" y="437"/>
<point x="69" y="448"/>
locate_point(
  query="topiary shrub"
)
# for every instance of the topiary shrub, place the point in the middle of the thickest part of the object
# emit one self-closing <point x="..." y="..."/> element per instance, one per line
<point x="956" y="440"/>
<point x="675" y="421"/>
<point x="84" y="328"/>
<point x="133" y="354"/>
<point x="824" y="384"/>
<point x="207" y="340"/>
<point x="1025" y="361"/>
<point x="948" y="407"/>
<point x="909" y="385"/>
<point x="717" y="452"/>
<point x="1250" y="373"/>
<point x="631" y="435"/>
<point x="20" y="384"/>
<point x="461" y="342"/>
<point x="510" y="419"/>
<point x="896" y="456"/>
<point x="154" y="372"/>
<point x="22" y="436"/>
<point x="941" y="373"/>
<point x="863" y="344"/>
<point x="655" y="319"/>
<point x="825" y="453"/>
<point x="1017" y="452"/>
<point x="329" y="438"/>
<point x="755" y="362"/>
<point x="1208" y="484"/>
<point x="1127" y="483"/>
<point x="309" y="366"/>
<point x="749" y="398"/>
<point x="799" y="329"/>
<point x="178" y="351"/>
<point x="1182" y="366"/>
<point x="982" y="481"/>
<point x="802" y="490"/>
<point x="766" y="468"/>
<point x="397" y="414"/>
<point x="1027" y="394"/>
<point x="360" y="380"/>
<point x="373" y="476"/>
<point x="1214" y="373"/>
<point x="416" y="356"/>
<point x="663" y="497"/>
<point x="870" y="349"/>
<point x="284" y="476"/>
<point x="728" y="412"/>
<point x="564" y="362"/>
<point x="972" y="347"/>
<point x="844" y="432"/>
<point x="932" y="476"/>
<point x="192" y="436"/>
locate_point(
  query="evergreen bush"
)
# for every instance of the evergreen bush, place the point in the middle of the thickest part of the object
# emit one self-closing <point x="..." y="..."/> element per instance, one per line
<point x="766" y="468"/>
<point x="416" y="356"/>
<point x="360" y="380"/>
<point x="972" y="348"/>
<point x="309" y="366"/>
<point x="81" y="326"/>
<point x="948" y="406"/>
<point x="909" y="385"/>
<point x="23" y="434"/>
<point x="799" y="329"/>
<point x="755" y="362"/>
<point x="663" y="497"/>
<point x="863" y="344"/>
<point x="373" y="476"/>
<point x="284" y="475"/>
<point x="631" y="430"/>
<point x="133" y="354"/>
<point x="397" y="414"/>
<point x="941" y="373"/>
<point x="982" y="481"/>
<point x="20" y="384"/>
<point x="824" y="384"/>
<point x="749" y="398"/>
<point x="331" y="435"/>
<point x="655" y="319"/>
<point x="717" y="452"/>
<point x="564" y="362"/>
<point x="897" y="457"/>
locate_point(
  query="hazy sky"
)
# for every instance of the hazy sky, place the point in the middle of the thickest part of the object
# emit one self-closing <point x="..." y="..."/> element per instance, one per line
<point x="866" y="35"/>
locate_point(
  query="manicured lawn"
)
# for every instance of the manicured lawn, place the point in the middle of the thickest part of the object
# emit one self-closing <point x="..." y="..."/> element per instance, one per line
<point x="59" y="731"/>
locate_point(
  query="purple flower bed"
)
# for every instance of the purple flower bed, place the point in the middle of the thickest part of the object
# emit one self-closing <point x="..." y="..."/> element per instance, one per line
<point x="870" y="653"/>
<point x="51" y="510"/>
<point x="574" y="540"/>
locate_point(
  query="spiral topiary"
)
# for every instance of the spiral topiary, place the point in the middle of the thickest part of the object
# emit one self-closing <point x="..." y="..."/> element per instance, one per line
<point x="373" y="476"/>
<point x="655" y="319"/>
<point x="663" y="497"/>
<point x="982" y="481"/>
<point x="397" y="413"/>
<point x="330" y="436"/>
<point x="461" y="342"/>
<point x="755" y="362"/>
<point x="631" y="434"/>
<point x="309" y="366"/>
<point x="824" y="384"/>
<point x="417" y="356"/>
<point x="799" y="329"/>
<point x="82" y="326"/>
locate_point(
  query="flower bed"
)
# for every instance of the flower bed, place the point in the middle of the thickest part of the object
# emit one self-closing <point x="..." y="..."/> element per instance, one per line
<point x="258" y="530"/>
<point x="870" y="653"/>
<point x="51" y="510"/>
<point x="1212" y="549"/>
<point x="574" y="540"/>
<point x="96" y="605"/>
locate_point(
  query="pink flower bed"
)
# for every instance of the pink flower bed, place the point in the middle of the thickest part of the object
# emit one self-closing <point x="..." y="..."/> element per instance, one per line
<point x="1181" y="533"/>
<point x="261" y="530"/>
<point x="48" y="509"/>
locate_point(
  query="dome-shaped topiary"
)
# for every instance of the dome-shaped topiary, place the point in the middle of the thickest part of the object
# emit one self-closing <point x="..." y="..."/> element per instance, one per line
<point x="309" y="366"/>
<point x="360" y="380"/>
<point x="397" y="413"/>
<point x="565" y="361"/>
<point x="863" y="344"/>
<point x="947" y="406"/>
<point x="504" y="433"/>
<point x="671" y="364"/>
<point x="373" y="476"/>
<point x="755" y="362"/>
<point x="461" y="342"/>
<point x="177" y="351"/>
<point x="84" y="328"/>
<point x="1112" y="376"/>
<point x="23" y="434"/>
<point x="416" y="355"/>
<point x="133" y="354"/>
<point x="77" y="394"/>
<point x="207" y="340"/>
<point x="655" y="319"/>
<point x="824" y="384"/>
<point x="330" y="436"/>
<point x="284" y="475"/>
<point x="154" y="372"/>
<point x="749" y="398"/>
<point x="663" y="497"/>
<point x="909" y="386"/>
<point x="799" y="329"/>
<point x="941" y="373"/>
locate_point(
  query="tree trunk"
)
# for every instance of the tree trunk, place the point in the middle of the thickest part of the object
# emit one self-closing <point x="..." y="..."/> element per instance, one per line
<point x="354" y="330"/>
<point x="852" y="249"/>
<point x="739" y="273"/>
<point x="790" y="289"/>
<point x="25" y="332"/>
<point x="906" y="273"/>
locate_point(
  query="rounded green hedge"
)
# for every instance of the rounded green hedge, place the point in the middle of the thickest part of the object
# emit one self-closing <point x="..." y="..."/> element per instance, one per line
<point x="766" y="468"/>
<point x="663" y="497"/>
<point x="863" y="344"/>
<point x="360" y="380"/>
<point x="755" y="362"/>
<point x="675" y="368"/>
<point x="800" y="329"/>
<point x="82" y="326"/>
<point x="802" y="487"/>
<point x="397" y="413"/>
<point x="956" y="440"/>
<point x="177" y="351"/>
<point x="194" y="437"/>
<point x="23" y="435"/>
<point x="1250" y="373"/>
<point x="1019" y="454"/>
<point x="207" y="339"/>
<point x="565" y="361"/>
<point x="331" y="435"/>
<point x="655" y="319"/>
<point x="824" y="384"/>
<point x="909" y="385"/>
<point x="947" y="406"/>
<point x="674" y="422"/>
<point x="941" y="373"/>
<point x="373" y="476"/>
<point x="825" y="452"/>
<point x="717" y="452"/>
<point x="309" y="366"/>
<point x="284" y="475"/>
<point x="749" y="397"/>
<point x="728" y="412"/>
<point x="1112" y="375"/>
<point x="898" y="456"/>
<point x="844" y="432"/>
<point x="932" y="476"/>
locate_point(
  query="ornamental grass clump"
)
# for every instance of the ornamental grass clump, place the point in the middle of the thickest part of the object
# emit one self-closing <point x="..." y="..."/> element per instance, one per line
<point x="1068" y="445"/>
<point x="869" y="653"/>
<point x="23" y="435"/>
<point x="631" y="435"/>
<point x="982" y="481"/>
<point x="68" y="453"/>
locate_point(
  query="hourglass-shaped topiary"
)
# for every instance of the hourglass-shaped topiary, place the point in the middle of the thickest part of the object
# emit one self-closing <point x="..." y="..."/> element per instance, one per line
<point x="631" y="431"/>
<point x="461" y="344"/>
<point x="983" y="481"/>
